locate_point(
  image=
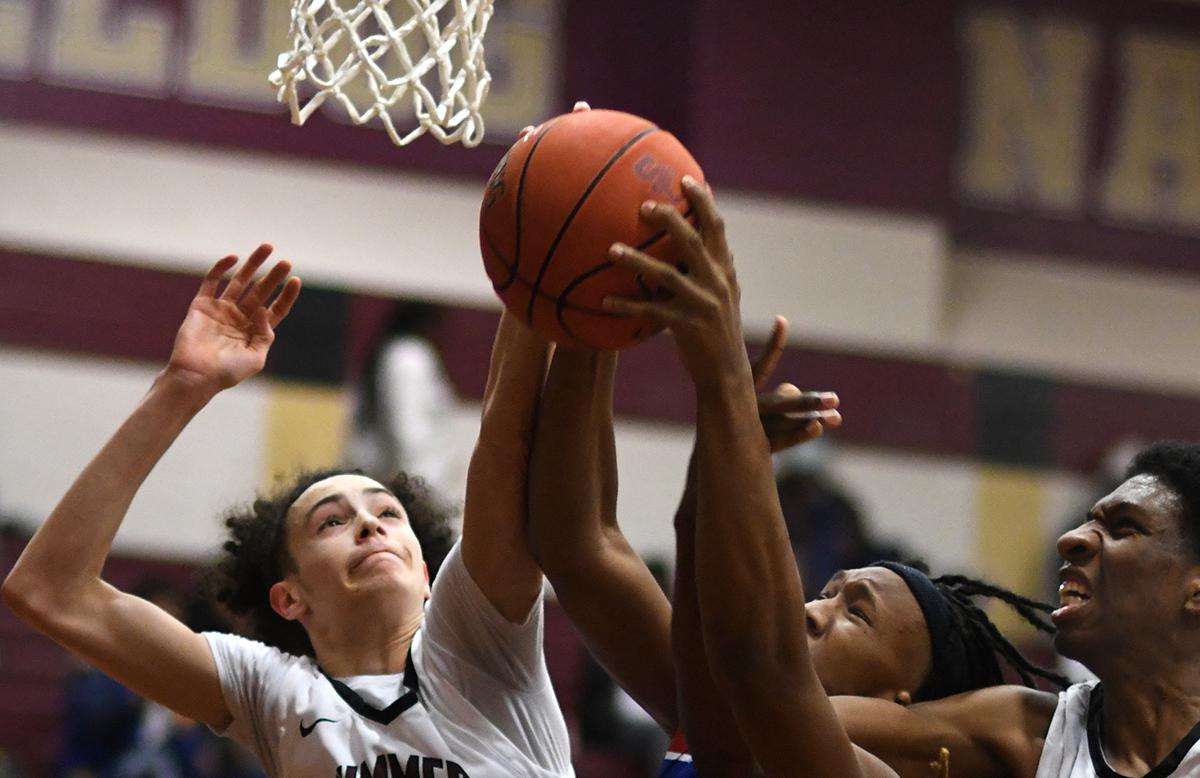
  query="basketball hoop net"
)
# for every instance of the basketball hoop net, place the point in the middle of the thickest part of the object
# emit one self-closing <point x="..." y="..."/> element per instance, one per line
<point x="370" y="60"/>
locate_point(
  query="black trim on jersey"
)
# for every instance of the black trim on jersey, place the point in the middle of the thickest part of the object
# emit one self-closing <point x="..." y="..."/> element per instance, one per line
<point x="365" y="709"/>
<point x="1163" y="769"/>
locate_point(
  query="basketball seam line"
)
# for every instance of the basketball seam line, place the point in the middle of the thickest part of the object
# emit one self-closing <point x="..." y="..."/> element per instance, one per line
<point x="561" y="303"/>
<point x="521" y="197"/>
<point x="579" y="204"/>
<point x="576" y="308"/>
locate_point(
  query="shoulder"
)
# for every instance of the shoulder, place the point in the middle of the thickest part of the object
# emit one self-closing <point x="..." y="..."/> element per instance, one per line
<point x="238" y="655"/>
<point x="996" y="710"/>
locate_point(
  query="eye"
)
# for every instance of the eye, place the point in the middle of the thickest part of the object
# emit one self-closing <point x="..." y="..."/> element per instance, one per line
<point x="823" y="596"/>
<point x="1124" y="527"/>
<point x="859" y="613"/>
<point x="332" y="521"/>
<point x="391" y="513"/>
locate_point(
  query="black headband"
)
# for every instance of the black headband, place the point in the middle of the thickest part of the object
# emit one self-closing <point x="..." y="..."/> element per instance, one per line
<point x="951" y="670"/>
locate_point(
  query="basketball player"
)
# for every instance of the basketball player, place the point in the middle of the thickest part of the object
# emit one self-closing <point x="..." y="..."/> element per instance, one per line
<point x="377" y="683"/>
<point x="625" y="618"/>
<point x="1130" y="594"/>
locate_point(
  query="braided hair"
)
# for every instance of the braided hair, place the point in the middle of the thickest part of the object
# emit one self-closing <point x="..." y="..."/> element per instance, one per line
<point x="967" y="646"/>
<point x="971" y="620"/>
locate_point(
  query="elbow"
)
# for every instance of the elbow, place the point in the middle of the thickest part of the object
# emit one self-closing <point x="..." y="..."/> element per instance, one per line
<point x="17" y="592"/>
<point x="30" y="597"/>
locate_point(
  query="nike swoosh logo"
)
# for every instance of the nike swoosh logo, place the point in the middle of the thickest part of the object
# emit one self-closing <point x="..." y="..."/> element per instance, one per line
<point x="306" y="731"/>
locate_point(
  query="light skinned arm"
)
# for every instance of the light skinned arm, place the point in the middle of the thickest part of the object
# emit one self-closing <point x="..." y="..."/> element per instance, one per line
<point x="495" y="548"/>
<point x="56" y="584"/>
<point x="604" y="586"/>
<point x="749" y="591"/>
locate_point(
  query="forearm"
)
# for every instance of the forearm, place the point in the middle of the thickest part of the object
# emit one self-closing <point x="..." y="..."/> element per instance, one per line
<point x="494" y="543"/>
<point x="604" y="586"/>
<point x="751" y="599"/>
<point x="573" y="479"/>
<point x="714" y="739"/>
<point x="69" y="549"/>
<point x="747" y="584"/>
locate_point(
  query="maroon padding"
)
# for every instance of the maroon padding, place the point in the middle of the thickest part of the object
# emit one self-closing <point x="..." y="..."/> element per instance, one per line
<point x="76" y="305"/>
<point x="1086" y="420"/>
<point x="61" y="304"/>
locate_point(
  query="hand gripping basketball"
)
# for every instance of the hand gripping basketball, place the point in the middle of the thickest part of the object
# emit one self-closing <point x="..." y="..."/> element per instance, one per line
<point x="558" y="199"/>
<point x="701" y="299"/>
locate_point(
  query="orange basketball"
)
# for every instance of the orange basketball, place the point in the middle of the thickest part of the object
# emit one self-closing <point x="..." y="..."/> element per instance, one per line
<point x="559" y="198"/>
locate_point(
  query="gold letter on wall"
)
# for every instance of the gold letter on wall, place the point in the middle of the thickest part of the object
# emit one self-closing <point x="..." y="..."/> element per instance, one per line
<point x="225" y="65"/>
<point x="17" y="36"/>
<point x="1026" y="135"/>
<point x="92" y="44"/>
<point x="1154" y="169"/>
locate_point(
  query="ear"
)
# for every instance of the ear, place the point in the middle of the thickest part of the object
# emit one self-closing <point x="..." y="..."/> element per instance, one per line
<point x="903" y="698"/>
<point x="285" y="602"/>
<point x="428" y="590"/>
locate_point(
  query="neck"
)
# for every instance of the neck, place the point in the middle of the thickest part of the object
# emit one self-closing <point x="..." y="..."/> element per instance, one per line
<point x="1147" y="713"/>
<point x="366" y="646"/>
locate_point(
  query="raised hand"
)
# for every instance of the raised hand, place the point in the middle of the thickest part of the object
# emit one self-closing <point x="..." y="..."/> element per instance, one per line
<point x="224" y="338"/>
<point x="789" y="416"/>
<point x="701" y="308"/>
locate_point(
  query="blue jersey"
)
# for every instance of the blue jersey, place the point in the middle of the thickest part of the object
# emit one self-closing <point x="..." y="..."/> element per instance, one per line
<point x="677" y="763"/>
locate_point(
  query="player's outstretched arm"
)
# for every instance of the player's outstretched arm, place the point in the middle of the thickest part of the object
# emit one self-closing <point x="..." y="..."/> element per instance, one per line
<point x="789" y="417"/>
<point x="747" y="585"/>
<point x="604" y="586"/>
<point x="494" y="544"/>
<point x="56" y="584"/>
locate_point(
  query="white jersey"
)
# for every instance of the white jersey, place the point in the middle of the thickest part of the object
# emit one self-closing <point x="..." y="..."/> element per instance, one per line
<point x="1073" y="748"/>
<point x="475" y="700"/>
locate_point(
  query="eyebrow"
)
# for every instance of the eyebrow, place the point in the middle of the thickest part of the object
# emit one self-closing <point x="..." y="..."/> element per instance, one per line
<point x="867" y="587"/>
<point x="380" y="490"/>
<point x="323" y="501"/>
<point x="338" y="497"/>
<point x="1105" y="511"/>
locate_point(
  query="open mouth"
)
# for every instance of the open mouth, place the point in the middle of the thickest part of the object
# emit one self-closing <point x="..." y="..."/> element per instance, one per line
<point x="1072" y="596"/>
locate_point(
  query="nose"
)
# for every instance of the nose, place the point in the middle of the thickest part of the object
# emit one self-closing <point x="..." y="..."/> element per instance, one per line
<point x="1077" y="545"/>
<point x="368" y="525"/>
<point x="817" y="615"/>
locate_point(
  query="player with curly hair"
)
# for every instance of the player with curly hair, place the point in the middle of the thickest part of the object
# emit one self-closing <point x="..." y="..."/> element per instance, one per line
<point x="358" y="665"/>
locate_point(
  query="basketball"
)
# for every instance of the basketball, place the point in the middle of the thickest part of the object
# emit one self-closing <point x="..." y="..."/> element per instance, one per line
<point x="556" y="202"/>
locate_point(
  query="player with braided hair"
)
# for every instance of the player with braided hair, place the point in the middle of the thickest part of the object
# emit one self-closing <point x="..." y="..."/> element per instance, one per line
<point x="1129" y="596"/>
<point x="627" y="621"/>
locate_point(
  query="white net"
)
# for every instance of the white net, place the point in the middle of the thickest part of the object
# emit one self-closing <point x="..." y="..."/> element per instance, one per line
<point x="371" y="57"/>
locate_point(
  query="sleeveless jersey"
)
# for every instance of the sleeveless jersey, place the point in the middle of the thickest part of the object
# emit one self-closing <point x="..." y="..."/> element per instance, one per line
<point x="475" y="700"/>
<point x="1073" y="748"/>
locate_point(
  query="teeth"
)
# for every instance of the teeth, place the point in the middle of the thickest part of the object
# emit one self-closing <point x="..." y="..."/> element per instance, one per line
<point x="1070" y="593"/>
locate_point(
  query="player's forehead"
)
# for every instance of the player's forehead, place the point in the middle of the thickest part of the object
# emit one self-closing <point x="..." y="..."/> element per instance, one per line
<point x="881" y="581"/>
<point x="350" y="486"/>
<point x="1144" y="492"/>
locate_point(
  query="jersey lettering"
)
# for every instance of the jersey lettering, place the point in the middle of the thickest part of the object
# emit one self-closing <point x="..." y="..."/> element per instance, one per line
<point x="388" y="766"/>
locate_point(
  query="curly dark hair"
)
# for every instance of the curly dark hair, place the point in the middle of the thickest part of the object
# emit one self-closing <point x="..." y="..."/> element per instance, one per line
<point x="1176" y="463"/>
<point x="255" y="557"/>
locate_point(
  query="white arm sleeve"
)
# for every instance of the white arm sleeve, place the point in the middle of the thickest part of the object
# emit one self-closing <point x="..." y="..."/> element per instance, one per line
<point x="471" y="654"/>
<point x="248" y="671"/>
<point x="462" y="623"/>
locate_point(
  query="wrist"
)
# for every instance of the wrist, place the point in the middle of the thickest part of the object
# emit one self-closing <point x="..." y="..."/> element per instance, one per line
<point x="734" y="378"/>
<point x="184" y="388"/>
